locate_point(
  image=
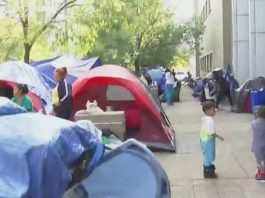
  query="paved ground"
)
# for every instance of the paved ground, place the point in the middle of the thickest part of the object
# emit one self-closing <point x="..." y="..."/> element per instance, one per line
<point x="235" y="163"/>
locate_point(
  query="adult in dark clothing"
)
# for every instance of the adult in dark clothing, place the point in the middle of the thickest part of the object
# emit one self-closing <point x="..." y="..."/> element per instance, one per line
<point x="189" y="75"/>
<point x="223" y="90"/>
<point x="148" y="79"/>
<point x="177" y="87"/>
<point x="62" y="94"/>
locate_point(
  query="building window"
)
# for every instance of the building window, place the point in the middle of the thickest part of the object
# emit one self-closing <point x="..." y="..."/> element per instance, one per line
<point x="206" y="63"/>
<point x="211" y="62"/>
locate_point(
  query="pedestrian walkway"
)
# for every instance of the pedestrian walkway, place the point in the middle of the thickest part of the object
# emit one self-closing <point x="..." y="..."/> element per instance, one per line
<point x="235" y="163"/>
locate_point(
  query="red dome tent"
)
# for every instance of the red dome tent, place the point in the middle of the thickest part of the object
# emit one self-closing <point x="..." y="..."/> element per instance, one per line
<point x="117" y="87"/>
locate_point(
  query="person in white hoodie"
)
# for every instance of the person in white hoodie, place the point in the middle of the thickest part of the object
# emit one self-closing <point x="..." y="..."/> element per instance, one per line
<point x="170" y="81"/>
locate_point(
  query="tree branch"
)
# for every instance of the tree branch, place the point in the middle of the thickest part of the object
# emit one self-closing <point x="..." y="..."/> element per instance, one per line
<point x="50" y="21"/>
<point x="26" y="20"/>
<point x="20" y="14"/>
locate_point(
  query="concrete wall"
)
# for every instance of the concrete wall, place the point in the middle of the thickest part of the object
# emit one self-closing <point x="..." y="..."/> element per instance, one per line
<point x="212" y="41"/>
<point x="227" y="33"/>
<point x="241" y="50"/>
<point x="257" y="38"/>
<point x="249" y="39"/>
<point x="217" y="38"/>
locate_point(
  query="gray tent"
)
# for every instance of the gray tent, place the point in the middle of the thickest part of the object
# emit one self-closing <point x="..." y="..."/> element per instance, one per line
<point x="129" y="171"/>
<point x="243" y="92"/>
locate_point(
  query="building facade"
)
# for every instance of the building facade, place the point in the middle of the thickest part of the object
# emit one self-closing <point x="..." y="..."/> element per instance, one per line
<point x="248" y="39"/>
<point x="216" y="45"/>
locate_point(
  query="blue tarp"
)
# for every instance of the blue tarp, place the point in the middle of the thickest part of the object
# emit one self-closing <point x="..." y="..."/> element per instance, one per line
<point x="40" y="62"/>
<point x="197" y="91"/>
<point x="158" y="76"/>
<point x="36" y="157"/>
<point x="25" y="74"/>
<point x="76" y="67"/>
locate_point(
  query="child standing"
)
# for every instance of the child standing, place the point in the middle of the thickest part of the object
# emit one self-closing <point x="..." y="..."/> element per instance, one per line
<point x="207" y="139"/>
<point x="258" y="145"/>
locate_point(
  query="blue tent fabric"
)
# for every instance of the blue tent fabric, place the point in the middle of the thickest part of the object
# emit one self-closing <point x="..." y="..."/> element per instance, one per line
<point x="36" y="157"/>
<point x="94" y="62"/>
<point x="114" y="178"/>
<point x="158" y="76"/>
<point x="47" y="71"/>
<point x="228" y="72"/>
<point x="9" y="108"/>
<point x="76" y="67"/>
<point x="50" y="82"/>
<point x="25" y="74"/>
<point x="40" y="62"/>
<point x="197" y="91"/>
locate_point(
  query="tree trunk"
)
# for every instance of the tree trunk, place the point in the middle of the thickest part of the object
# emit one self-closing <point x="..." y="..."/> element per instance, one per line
<point x="27" y="49"/>
<point x="197" y="42"/>
<point x="137" y="65"/>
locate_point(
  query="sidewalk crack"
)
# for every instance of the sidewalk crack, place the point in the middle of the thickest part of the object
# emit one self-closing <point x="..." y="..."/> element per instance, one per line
<point x="241" y="166"/>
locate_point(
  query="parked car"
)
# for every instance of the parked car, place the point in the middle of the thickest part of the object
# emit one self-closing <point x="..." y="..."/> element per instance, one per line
<point x="181" y="75"/>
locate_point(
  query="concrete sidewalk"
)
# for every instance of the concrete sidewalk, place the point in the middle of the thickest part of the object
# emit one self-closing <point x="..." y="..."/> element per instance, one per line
<point x="235" y="163"/>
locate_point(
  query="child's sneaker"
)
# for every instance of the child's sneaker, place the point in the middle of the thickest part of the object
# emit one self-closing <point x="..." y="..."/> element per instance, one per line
<point x="213" y="167"/>
<point x="260" y="176"/>
<point x="209" y="175"/>
<point x="209" y="172"/>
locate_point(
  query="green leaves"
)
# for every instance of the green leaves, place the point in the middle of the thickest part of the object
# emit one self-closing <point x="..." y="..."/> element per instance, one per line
<point x="10" y="40"/>
<point x="125" y="32"/>
<point x="194" y="32"/>
<point x="129" y="32"/>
